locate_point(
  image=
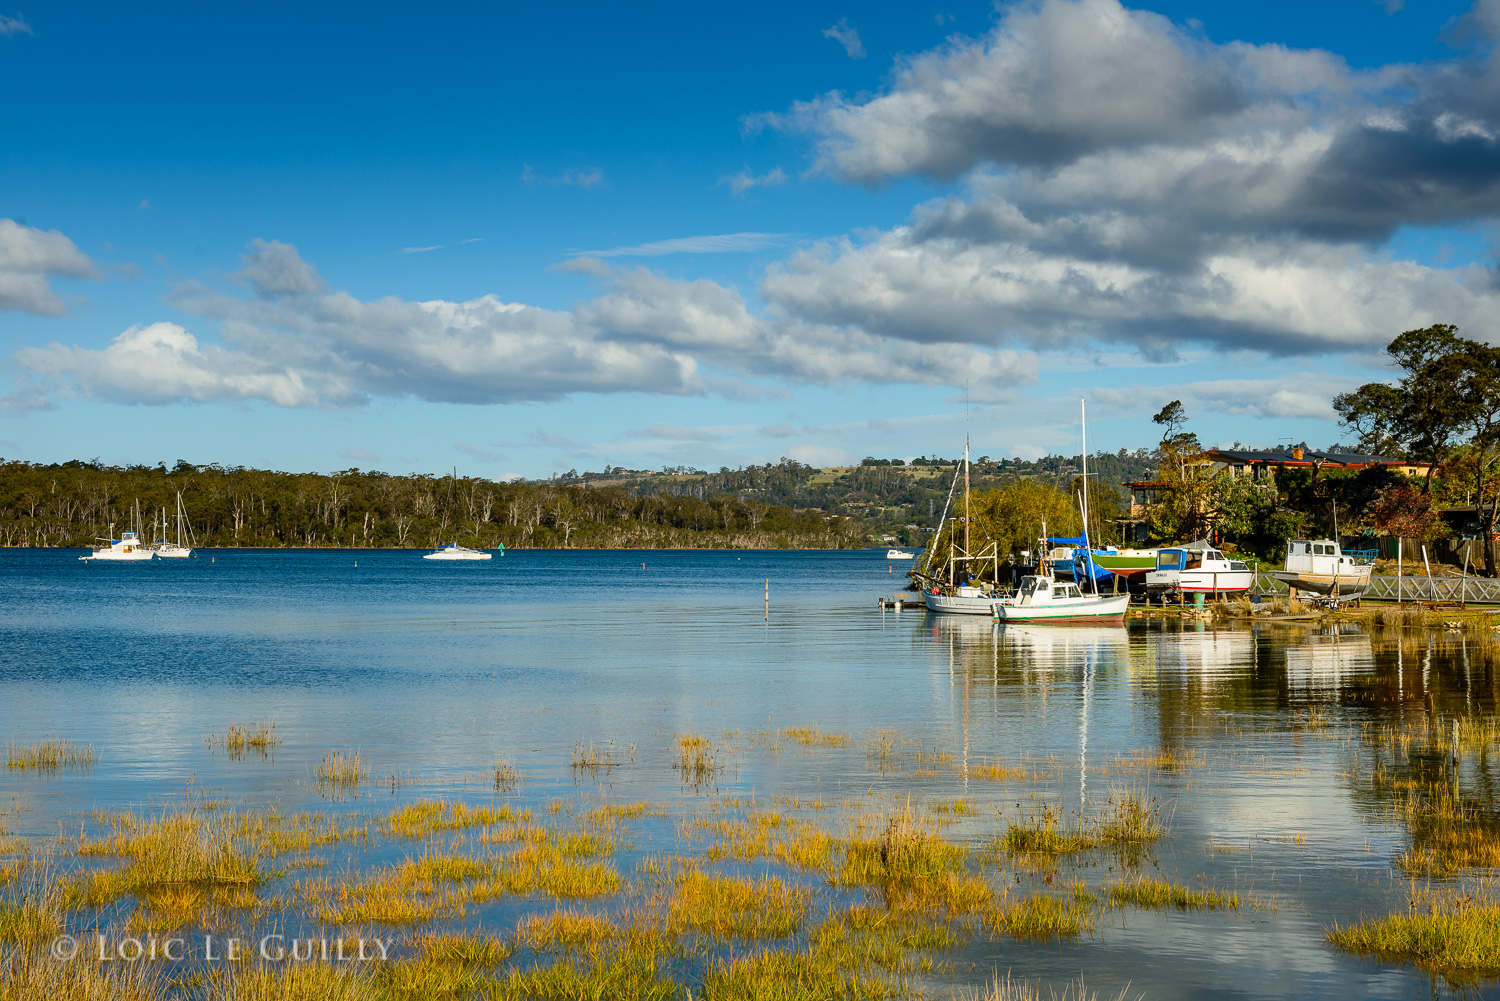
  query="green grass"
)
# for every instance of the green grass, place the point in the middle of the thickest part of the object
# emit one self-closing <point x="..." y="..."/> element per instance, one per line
<point x="1461" y="942"/>
<point x="49" y="755"/>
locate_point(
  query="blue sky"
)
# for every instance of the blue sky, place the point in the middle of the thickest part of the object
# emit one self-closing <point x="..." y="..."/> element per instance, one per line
<point x="526" y="239"/>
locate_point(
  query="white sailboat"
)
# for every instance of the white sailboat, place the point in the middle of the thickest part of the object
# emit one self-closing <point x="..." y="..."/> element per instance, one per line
<point x="950" y="596"/>
<point x="170" y="550"/>
<point x="1042" y="600"/>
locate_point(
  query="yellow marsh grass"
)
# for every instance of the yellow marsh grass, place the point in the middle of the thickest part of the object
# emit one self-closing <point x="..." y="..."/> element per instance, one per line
<point x="33" y="975"/>
<point x="550" y="866"/>
<point x="1041" y="918"/>
<point x="289" y="982"/>
<point x="695" y="759"/>
<point x="460" y="949"/>
<point x="634" y="972"/>
<point x="864" y="952"/>
<point x="813" y="737"/>
<point x="33" y="909"/>
<point x="1156" y="894"/>
<point x="424" y="819"/>
<point x="590" y="759"/>
<point x="185" y="849"/>
<point x="1460" y="942"/>
<point x="1127" y="820"/>
<point x="49" y="755"/>
<point x="239" y="739"/>
<point x="723" y="906"/>
<point x="1166" y="759"/>
<point x="340" y="770"/>
<point x="564" y="931"/>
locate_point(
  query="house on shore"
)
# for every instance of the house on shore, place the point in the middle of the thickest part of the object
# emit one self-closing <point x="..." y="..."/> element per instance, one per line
<point x="1144" y="494"/>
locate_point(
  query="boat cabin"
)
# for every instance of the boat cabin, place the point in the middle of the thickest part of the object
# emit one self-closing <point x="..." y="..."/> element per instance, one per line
<point x="1035" y="590"/>
<point x="1323" y="556"/>
<point x="1193" y="558"/>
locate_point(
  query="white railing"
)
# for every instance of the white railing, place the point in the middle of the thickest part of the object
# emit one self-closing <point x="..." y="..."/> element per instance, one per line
<point x="1461" y="590"/>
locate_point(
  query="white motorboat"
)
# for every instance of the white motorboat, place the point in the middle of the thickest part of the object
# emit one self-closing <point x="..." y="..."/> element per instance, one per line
<point x="457" y="552"/>
<point x="1042" y="600"/>
<point x="1198" y="568"/>
<point x="175" y="550"/>
<point x="1322" y="567"/>
<point x="898" y="554"/>
<point x="126" y="549"/>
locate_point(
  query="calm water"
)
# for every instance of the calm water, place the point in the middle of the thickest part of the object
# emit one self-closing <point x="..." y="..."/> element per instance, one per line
<point x="434" y="671"/>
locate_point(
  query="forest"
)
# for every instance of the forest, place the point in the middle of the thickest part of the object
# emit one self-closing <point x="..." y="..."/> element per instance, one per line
<point x="75" y="503"/>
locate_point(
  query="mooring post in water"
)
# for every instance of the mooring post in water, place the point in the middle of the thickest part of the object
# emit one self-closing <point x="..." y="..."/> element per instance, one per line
<point x="1453" y="751"/>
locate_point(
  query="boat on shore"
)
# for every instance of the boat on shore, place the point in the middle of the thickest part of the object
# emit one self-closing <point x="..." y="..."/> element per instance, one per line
<point x="1322" y="567"/>
<point x="457" y="552"/>
<point x="1198" y="568"/>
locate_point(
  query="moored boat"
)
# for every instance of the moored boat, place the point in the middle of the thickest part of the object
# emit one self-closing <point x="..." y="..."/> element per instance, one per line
<point x="1322" y="567"/>
<point x="457" y="552"/>
<point x="126" y="549"/>
<point x="1041" y="600"/>
<point x="899" y="554"/>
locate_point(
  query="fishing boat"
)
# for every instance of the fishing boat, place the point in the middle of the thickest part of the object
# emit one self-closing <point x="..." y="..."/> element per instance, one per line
<point x="457" y="552"/>
<point x="1198" y="568"/>
<point x="175" y="550"/>
<point x="950" y="595"/>
<point x="899" y="554"/>
<point x="1322" y="567"/>
<point x="126" y="549"/>
<point x="1042" y="600"/>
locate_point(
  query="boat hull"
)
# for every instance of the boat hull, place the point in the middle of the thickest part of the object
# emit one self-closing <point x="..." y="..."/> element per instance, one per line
<point x="1201" y="581"/>
<point x="1093" y="611"/>
<point x="896" y="554"/>
<point x="114" y="557"/>
<point x="456" y="556"/>
<point x="1349" y="585"/>
<point x="171" y="552"/>
<point x="959" y="604"/>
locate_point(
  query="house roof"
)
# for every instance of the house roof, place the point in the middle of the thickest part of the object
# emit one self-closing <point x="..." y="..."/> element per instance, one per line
<point x="1310" y="456"/>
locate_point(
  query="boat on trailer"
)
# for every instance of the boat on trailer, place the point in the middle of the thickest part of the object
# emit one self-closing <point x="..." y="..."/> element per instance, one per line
<point x="1322" y="567"/>
<point x="1198" y="568"/>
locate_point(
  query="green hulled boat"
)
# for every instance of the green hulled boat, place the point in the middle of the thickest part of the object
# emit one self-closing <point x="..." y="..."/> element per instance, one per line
<point x="1125" y="562"/>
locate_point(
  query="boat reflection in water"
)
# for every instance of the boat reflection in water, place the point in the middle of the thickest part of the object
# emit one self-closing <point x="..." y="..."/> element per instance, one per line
<point x="1323" y="665"/>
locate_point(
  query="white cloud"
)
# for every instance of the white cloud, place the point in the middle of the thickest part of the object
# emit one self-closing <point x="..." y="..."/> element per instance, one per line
<point x="725" y="243"/>
<point x="294" y="343"/>
<point x="14" y="25"/>
<point x="1300" y="394"/>
<point x="360" y="455"/>
<point x="421" y="250"/>
<point x="847" y="37"/>
<point x="29" y="259"/>
<point x="743" y="181"/>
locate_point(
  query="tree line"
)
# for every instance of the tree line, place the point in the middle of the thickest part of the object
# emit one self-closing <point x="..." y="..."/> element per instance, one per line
<point x="76" y="503"/>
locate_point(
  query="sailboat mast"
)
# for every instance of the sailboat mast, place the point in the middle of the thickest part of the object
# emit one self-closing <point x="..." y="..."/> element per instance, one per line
<point x="1083" y="434"/>
<point x="966" y="498"/>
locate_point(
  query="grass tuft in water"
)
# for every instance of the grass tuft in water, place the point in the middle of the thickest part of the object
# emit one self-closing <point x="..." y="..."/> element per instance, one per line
<point x="340" y="770"/>
<point x="49" y="755"/>
<point x="1461" y="942"/>
<point x="238" y="740"/>
<point x="1157" y="894"/>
